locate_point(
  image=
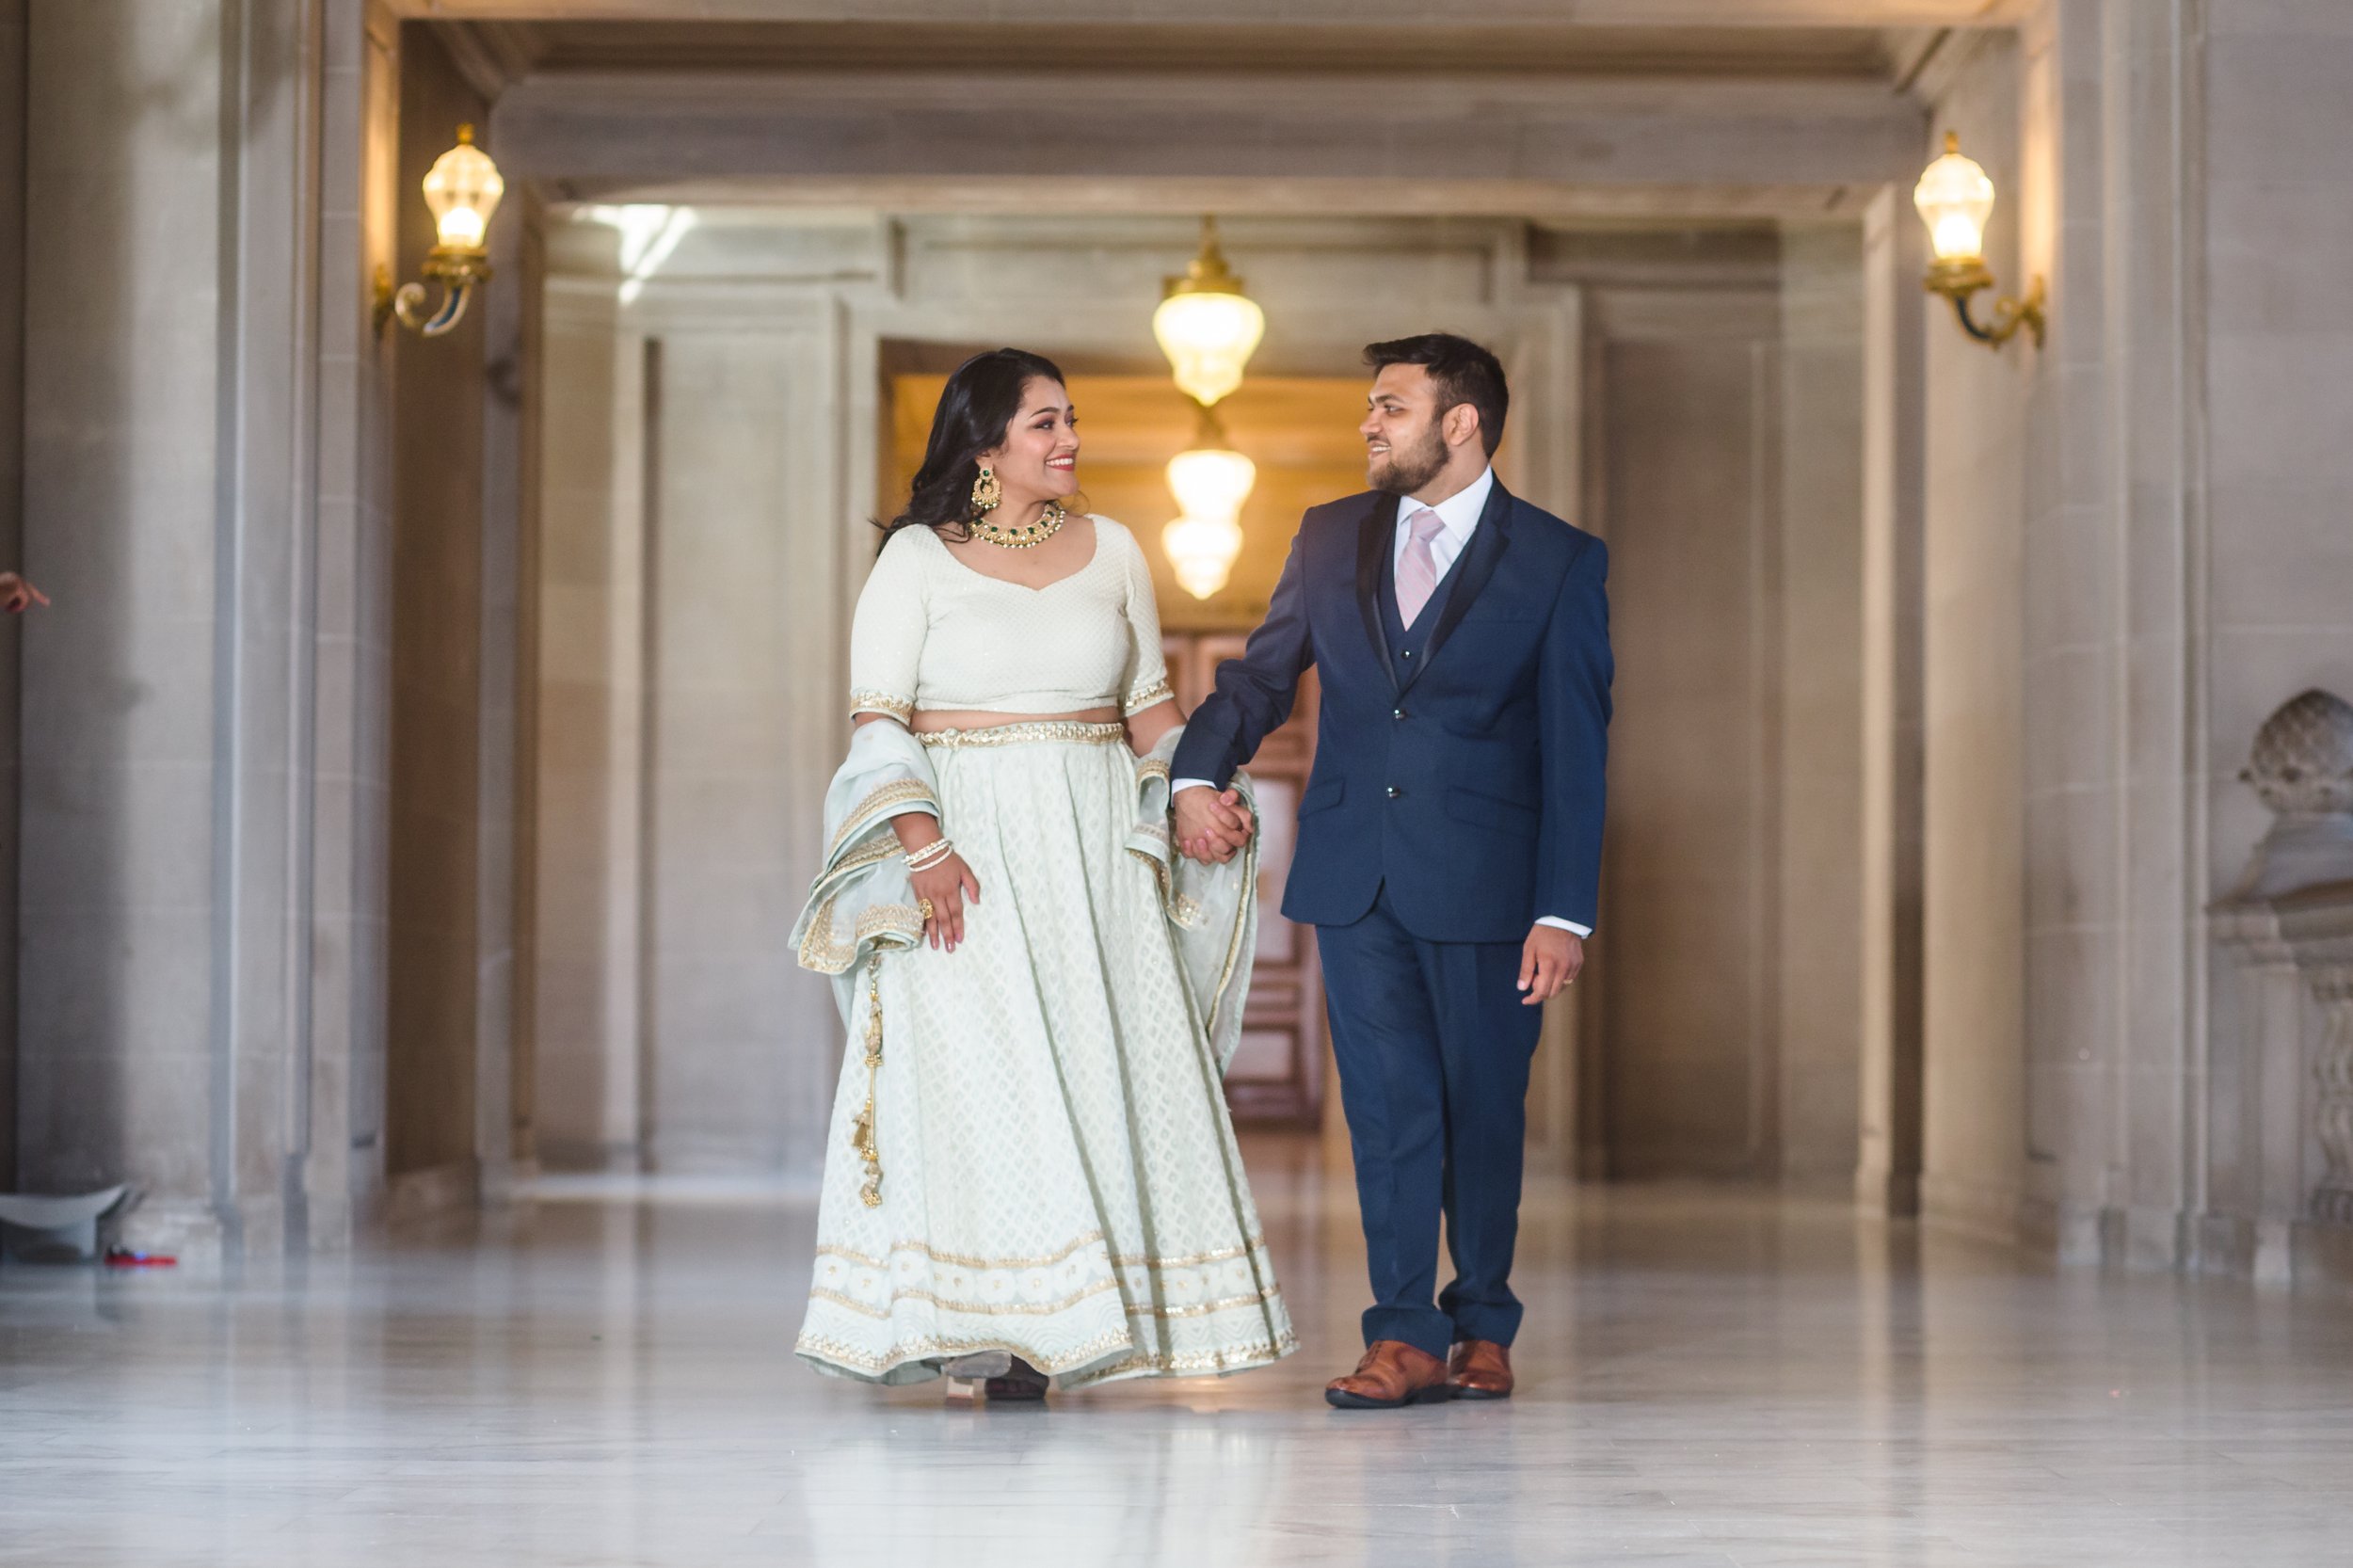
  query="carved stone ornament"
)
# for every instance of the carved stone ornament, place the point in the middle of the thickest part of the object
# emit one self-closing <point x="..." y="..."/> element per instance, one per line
<point x="2303" y="759"/>
<point x="2302" y="769"/>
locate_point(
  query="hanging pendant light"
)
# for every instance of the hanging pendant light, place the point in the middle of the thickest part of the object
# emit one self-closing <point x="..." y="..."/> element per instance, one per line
<point x="1207" y="325"/>
<point x="1211" y="482"/>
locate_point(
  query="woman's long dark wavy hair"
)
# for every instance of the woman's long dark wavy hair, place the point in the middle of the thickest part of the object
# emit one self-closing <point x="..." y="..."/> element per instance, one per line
<point x="977" y="407"/>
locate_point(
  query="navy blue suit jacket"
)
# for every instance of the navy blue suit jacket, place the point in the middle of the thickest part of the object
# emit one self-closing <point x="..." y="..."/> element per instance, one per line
<point x="1471" y="786"/>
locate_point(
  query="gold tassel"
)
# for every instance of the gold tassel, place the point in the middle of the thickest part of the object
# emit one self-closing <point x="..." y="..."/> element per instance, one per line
<point x="862" y="1129"/>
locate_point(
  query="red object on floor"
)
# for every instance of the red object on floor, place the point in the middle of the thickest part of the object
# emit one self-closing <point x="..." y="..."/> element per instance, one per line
<point x="122" y="1258"/>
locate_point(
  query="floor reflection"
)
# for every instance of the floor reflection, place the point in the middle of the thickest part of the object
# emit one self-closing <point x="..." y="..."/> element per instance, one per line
<point x="1709" y="1375"/>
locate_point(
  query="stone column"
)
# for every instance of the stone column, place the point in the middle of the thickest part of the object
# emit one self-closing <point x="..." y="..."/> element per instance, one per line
<point x="14" y="87"/>
<point x="741" y="626"/>
<point x="1887" y="1159"/>
<point x="1821" y="747"/>
<point x="169" y="487"/>
<point x="589" y="712"/>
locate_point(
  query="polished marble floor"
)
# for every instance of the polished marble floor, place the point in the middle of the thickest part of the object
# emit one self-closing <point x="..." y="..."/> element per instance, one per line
<point x="1708" y="1377"/>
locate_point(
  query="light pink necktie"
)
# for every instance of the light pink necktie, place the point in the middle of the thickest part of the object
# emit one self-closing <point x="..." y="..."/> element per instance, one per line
<point x="1417" y="575"/>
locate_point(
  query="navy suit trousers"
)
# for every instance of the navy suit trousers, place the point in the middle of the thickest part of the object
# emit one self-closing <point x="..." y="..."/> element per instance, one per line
<point x="1433" y="1045"/>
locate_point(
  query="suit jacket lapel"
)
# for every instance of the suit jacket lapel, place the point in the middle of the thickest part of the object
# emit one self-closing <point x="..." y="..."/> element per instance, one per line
<point x="1377" y="532"/>
<point x="1479" y="559"/>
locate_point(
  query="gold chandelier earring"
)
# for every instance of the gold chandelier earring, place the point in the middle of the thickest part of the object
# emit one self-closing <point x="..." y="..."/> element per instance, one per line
<point x="987" y="492"/>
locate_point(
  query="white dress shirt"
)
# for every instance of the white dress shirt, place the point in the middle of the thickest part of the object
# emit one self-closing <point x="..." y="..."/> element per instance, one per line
<point x="1458" y="517"/>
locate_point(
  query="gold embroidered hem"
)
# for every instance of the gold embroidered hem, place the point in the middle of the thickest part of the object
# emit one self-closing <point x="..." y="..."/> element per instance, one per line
<point x="977" y="1309"/>
<point x="1064" y="1183"/>
<point x="884" y="802"/>
<point x="840" y="1358"/>
<point x="1239" y="1358"/>
<point x="900" y="707"/>
<point x="1144" y="696"/>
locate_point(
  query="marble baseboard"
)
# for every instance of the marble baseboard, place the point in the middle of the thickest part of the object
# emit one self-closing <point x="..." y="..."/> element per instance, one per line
<point x="1889" y="1194"/>
<point x="1968" y="1208"/>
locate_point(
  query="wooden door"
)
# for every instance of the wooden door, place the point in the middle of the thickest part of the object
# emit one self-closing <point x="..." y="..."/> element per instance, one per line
<point x="1277" y="1074"/>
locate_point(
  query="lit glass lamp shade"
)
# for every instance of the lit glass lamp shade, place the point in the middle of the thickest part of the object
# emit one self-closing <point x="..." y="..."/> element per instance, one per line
<point x="463" y="189"/>
<point x="1210" y="484"/>
<point x="1207" y="325"/>
<point x="1954" y="199"/>
<point x="1209" y="338"/>
<point x="1202" y="552"/>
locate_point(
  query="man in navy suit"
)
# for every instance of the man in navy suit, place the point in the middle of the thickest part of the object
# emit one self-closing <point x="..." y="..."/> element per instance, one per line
<point x="1449" y="839"/>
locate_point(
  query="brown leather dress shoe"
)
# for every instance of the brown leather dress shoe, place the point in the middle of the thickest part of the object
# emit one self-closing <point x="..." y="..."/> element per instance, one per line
<point x="1479" y="1370"/>
<point x="1392" y="1374"/>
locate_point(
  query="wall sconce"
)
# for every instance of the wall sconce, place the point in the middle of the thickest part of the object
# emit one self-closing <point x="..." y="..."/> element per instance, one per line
<point x="1955" y="199"/>
<point x="463" y="188"/>
<point x="1207" y="325"/>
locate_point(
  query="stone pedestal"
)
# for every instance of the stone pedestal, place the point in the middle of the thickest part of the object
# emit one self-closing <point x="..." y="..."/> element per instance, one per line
<point x="2281" y="1186"/>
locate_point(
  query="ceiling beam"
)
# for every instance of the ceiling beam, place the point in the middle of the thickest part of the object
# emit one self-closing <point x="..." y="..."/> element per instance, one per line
<point x="631" y="129"/>
<point x="1537" y="200"/>
<point x="1346" y="14"/>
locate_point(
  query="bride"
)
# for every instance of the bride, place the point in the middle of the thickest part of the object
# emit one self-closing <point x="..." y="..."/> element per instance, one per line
<point x="1031" y="1173"/>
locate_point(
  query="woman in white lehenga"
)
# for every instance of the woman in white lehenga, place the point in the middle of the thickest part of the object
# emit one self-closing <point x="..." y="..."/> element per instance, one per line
<point x="1031" y="1173"/>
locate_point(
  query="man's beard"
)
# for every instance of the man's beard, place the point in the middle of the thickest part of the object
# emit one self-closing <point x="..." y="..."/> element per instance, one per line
<point x="1409" y="469"/>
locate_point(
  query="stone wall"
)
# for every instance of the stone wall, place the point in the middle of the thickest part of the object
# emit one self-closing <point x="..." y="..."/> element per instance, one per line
<point x="1724" y="1017"/>
<point x="1691" y="419"/>
<point x="2275" y="574"/>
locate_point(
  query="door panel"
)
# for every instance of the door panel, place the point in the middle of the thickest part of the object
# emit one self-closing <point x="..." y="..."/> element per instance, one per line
<point x="1277" y="1073"/>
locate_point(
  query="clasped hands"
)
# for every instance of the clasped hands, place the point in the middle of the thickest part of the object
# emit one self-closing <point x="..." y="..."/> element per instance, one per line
<point x="1211" y="824"/>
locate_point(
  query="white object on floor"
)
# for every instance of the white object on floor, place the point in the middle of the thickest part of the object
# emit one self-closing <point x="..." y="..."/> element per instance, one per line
<point x="62" y="1229"/>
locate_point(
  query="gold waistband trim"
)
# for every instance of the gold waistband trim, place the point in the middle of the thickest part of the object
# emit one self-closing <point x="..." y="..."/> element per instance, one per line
<point x="1068" y="732"/>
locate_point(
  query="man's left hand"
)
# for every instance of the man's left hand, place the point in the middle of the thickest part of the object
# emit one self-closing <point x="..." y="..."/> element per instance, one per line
<point x="1549" y="962"/>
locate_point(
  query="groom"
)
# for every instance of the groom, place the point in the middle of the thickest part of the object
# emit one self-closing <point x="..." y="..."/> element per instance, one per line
<point x="1450" y="839"/>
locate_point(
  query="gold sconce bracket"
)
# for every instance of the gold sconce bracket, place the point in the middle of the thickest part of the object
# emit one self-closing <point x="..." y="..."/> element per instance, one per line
<point x="1959" y="280"/>
<point x="459" y="272"/>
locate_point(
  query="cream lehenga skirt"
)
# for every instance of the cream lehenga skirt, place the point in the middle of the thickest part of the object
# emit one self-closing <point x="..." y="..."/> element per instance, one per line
<point x="1040" y="1163"/>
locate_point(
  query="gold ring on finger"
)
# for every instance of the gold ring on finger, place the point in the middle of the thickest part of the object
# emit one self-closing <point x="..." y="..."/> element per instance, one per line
<point x="924" y="909"/>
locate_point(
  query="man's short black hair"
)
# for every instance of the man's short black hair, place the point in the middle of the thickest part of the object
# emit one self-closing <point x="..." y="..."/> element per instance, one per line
<point x="1462" y="371"/>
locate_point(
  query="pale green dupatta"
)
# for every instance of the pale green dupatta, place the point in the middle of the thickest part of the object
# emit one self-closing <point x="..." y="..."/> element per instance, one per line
<point x="1212" y="910"/>
<point x="863" y="903"/>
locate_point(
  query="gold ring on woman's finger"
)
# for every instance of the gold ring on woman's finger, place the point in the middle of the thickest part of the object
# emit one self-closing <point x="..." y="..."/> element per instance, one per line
<point x="924" y="909"/>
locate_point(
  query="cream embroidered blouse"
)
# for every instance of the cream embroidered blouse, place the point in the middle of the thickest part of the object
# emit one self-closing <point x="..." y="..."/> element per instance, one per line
<point x="932" y="634"/>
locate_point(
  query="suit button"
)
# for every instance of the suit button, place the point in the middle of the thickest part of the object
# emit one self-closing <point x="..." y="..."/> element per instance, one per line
<point x="1409" y="653"/>
<point x="1395" y="792"/>
<point x="1397" y="712"/>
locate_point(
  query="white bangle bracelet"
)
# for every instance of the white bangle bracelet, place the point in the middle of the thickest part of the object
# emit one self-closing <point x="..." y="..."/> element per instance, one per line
<point x="930" y="855"/>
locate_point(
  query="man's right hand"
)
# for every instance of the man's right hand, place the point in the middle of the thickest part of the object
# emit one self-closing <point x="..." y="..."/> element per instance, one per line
<point x="1210" y="825"/>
